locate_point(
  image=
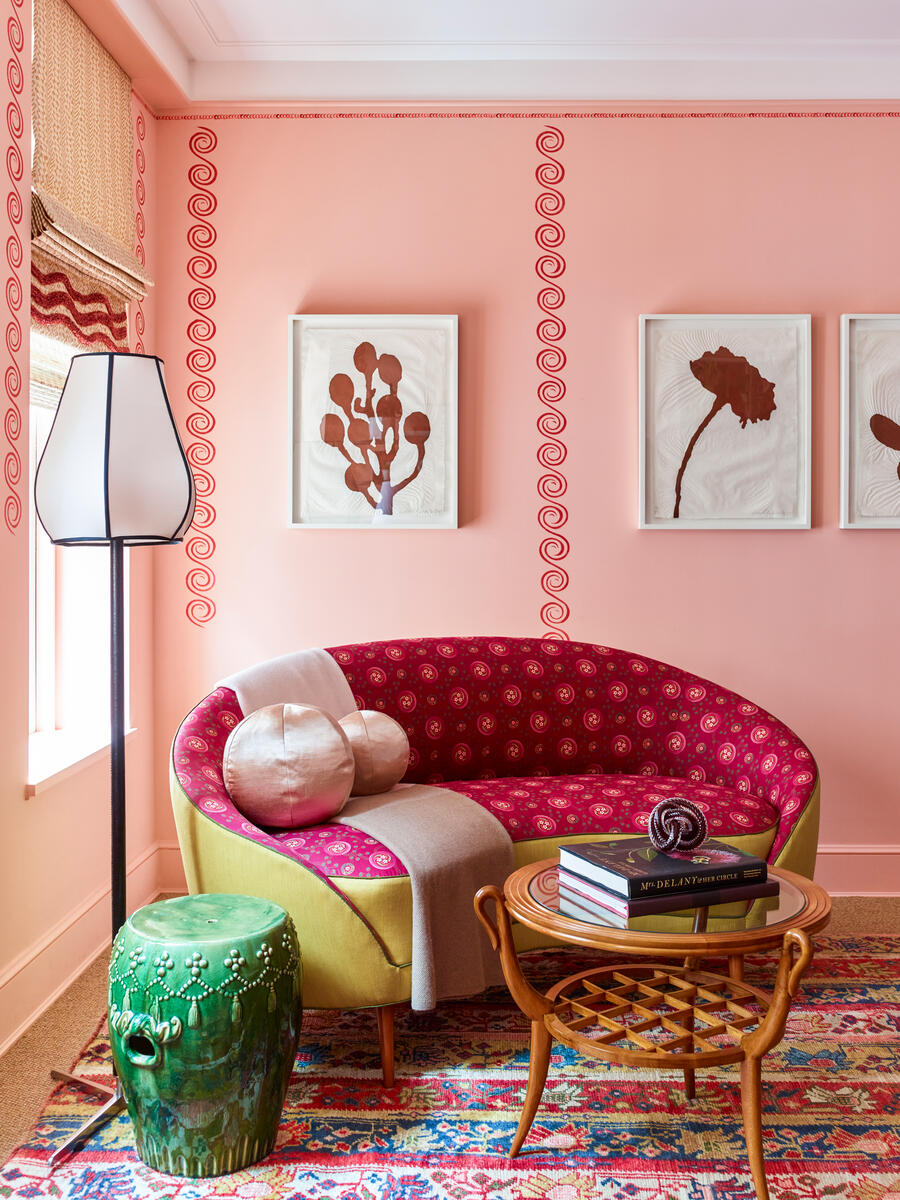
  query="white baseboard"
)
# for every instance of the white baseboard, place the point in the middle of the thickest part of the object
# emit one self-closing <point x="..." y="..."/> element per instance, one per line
<point x="42" y="972"/>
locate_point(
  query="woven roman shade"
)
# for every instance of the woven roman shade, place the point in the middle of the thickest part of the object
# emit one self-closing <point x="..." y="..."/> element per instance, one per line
<point x="84" y="270"/>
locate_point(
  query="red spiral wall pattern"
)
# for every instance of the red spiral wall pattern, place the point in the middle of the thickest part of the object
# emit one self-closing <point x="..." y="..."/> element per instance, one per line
<point x="140" y="225"/>
<point x="201" y="360"/>
<point x="15" y="166"/>
<point x="551" y="361"/>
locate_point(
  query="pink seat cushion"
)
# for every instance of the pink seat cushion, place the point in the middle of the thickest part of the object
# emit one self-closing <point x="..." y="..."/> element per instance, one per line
<point x="539" y="807"/>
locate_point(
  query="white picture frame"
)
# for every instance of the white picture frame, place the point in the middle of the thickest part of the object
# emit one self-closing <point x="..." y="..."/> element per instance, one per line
<point x="751" y="471"/>
<point x="373" y="421"/>
<point x="870" y="389"/>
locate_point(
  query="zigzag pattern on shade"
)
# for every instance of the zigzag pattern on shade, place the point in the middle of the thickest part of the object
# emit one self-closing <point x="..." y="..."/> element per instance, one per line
<point x="87" y="319"/>
<point x="831" y="1109"/>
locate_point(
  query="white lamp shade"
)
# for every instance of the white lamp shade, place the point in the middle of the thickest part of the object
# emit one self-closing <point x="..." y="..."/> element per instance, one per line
<point x="114" y="466"/>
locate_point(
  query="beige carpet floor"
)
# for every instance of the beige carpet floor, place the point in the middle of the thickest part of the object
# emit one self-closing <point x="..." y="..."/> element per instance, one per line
<point x="58" y="1036"/>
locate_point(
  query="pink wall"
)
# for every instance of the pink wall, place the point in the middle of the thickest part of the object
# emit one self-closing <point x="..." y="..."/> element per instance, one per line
<point x="415" y="214"/>
<point x="663" y="213"/>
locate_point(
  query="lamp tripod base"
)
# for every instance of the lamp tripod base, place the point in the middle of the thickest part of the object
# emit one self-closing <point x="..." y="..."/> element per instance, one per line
<point x="115" y="1102"/>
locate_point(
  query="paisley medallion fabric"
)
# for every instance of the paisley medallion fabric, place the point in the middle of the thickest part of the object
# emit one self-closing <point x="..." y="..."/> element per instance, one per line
<point x="554" y="738"/>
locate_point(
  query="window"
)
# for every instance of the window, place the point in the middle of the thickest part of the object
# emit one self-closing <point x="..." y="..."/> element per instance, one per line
<point x="68" y="608"/>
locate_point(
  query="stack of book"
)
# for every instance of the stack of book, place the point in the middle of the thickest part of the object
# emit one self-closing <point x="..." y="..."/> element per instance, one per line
<point x="616" y="881"/>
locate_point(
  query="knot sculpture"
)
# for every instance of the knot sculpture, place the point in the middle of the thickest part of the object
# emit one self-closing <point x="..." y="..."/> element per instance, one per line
<point x="676" y="824"/>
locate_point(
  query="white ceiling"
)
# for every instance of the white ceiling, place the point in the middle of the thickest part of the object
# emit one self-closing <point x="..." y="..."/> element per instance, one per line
<point x="400" y="50"/>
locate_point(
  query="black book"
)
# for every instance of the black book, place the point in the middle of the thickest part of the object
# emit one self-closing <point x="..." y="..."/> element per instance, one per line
<point x="633" y="867"/>
<point x="591" y="895"/>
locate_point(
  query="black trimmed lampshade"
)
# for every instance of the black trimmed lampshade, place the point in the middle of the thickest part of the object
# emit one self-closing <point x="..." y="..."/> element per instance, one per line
<point x="114" y="465"/>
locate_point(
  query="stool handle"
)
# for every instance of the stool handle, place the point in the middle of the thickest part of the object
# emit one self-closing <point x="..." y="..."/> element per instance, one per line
<point x="128" y="1025"/>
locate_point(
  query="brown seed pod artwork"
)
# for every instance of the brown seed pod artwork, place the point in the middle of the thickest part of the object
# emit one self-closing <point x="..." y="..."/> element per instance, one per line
<point x="676" y="824"/>
<point x="367" y="433"/>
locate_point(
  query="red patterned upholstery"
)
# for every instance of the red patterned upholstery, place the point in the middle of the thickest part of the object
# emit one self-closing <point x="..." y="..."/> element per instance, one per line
<point x="530" y="808"/>
<point x="476" y="708"/>
<point x="520" y="713"/>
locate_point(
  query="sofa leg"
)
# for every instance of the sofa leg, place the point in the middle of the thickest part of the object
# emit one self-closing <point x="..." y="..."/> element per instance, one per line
<point x="385" y="1016"/>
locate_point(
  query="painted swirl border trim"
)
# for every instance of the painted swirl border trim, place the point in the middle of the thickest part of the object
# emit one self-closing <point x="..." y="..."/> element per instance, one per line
<point x="201" y="360"/>
<point x="551" y="361"/>
<point x="531" y="115"/>
<point x="15" y="169"/>
<point x="140" y="223"/>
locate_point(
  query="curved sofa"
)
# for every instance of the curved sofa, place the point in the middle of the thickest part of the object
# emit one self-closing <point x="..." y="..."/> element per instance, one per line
<point x="560" y="741"/>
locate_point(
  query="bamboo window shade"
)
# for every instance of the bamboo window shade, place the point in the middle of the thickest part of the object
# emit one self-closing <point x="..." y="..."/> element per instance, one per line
<point x="84" y="270"/>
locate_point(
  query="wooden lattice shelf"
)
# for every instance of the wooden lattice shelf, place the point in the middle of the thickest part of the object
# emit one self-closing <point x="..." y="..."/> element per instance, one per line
<point x="651" y="1016"/>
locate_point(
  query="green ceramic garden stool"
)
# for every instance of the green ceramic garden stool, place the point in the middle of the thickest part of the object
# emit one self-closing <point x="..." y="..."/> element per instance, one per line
<point x="204" y="1015"/>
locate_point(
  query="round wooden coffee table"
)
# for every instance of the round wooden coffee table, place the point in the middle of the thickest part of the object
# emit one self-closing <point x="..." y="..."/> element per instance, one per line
<point x="652" y="1013"/>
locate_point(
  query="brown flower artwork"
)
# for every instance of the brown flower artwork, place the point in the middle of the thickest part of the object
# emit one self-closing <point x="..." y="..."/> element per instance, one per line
<point x="887" y="432"/>
<point x="733" y="381"/>
<point x="372" y="427"/>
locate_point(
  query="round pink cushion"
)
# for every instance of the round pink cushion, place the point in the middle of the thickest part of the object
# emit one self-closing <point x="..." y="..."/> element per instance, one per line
<point x="288" y="765"/>
<point x="380" y="749"/>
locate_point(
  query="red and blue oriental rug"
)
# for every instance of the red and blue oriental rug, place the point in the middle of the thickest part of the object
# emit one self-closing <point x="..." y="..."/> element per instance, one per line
<point x="831" y="1116"/>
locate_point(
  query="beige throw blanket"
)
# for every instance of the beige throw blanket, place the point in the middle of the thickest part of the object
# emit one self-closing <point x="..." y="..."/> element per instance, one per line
<point x="305" y="677"/>
<point x="451" y="847"/>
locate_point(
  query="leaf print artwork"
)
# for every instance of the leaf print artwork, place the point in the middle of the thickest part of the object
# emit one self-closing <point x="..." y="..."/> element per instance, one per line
<point x="887" y="432"/>
<point x="733" y="381"/>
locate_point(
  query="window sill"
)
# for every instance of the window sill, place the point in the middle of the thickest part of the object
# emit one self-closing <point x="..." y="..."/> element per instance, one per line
<point x="54" y="757"/>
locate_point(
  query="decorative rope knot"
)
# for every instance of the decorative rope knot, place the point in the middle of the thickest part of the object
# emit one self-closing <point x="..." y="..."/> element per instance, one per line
<point x="676" y="824"/>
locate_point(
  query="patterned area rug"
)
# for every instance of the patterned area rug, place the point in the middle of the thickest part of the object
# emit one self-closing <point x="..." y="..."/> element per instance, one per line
<point x="831" y="1119"/>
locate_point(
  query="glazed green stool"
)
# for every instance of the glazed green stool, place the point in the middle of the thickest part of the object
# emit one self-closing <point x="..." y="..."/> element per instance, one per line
<point x="204" y="1016"/>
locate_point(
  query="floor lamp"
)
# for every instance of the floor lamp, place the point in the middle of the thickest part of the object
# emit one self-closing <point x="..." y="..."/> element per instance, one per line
<point x="113" y="473"/>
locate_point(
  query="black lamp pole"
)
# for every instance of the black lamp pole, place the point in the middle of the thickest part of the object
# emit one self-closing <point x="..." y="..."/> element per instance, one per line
<point x="117" y="721"/>
<point x="114" y="1100"/>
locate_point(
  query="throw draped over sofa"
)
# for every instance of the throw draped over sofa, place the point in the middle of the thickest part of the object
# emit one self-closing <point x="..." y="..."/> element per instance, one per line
<point x="560" y="741"/>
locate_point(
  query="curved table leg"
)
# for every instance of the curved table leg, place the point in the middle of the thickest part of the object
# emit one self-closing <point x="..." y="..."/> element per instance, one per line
<point x="751" y="1104"/>
<point x="541" y="1041"/>
<point x="768" y="1034"/>
<point x="530" y="1002"/>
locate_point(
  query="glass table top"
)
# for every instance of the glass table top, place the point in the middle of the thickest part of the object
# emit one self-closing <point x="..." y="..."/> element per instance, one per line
<point x="741" y="914"/>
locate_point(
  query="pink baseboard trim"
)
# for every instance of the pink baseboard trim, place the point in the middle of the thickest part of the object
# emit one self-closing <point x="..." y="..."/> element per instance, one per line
<point x="38" y="976"/>
<point x="861" y="848"/>
<point x="67" y="949"/>
<point x="859" y="869"/>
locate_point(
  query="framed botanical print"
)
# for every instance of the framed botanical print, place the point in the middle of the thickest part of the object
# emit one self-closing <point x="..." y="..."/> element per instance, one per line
<point x="724" y="421"/>
<point x="373" y="422"/>
<point x="870" y="421"/>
